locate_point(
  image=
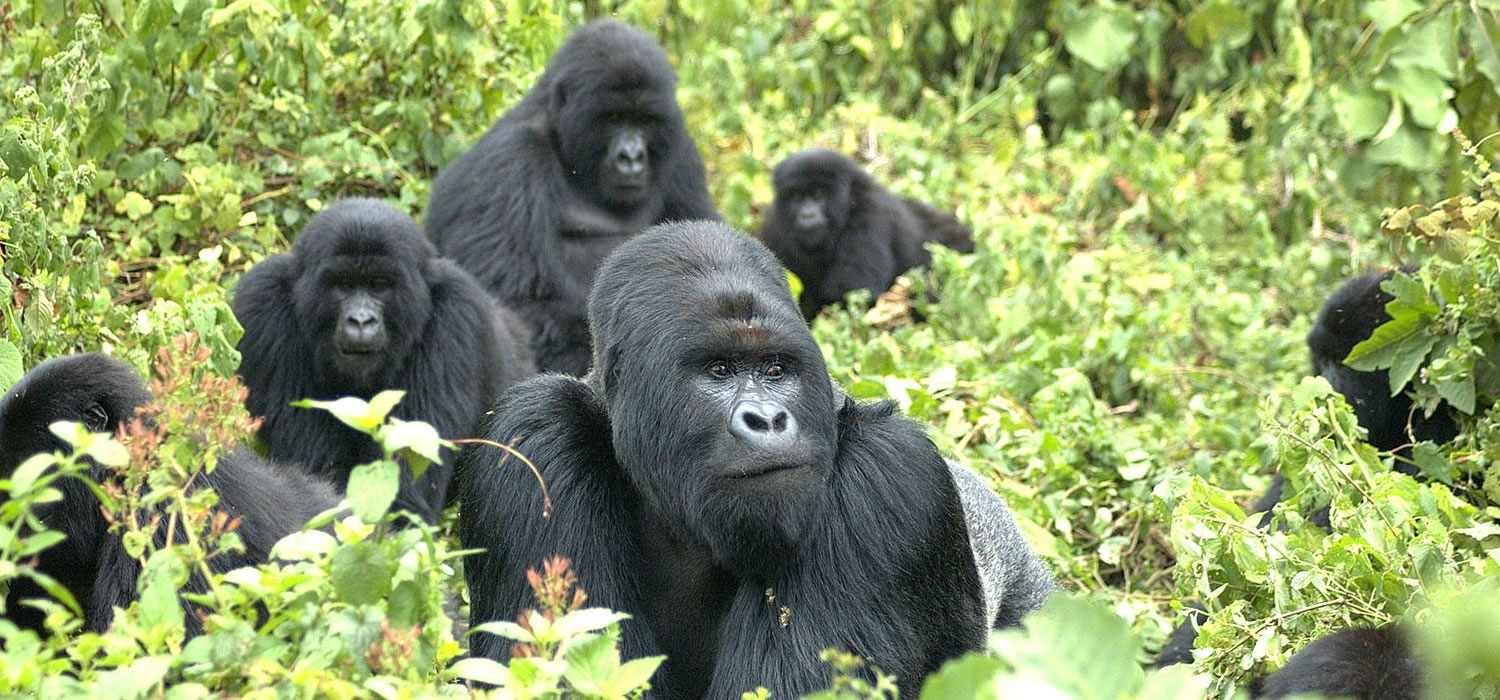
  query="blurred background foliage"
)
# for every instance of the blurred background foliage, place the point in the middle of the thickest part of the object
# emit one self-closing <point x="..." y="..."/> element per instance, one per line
<point x="1163" y="193"/>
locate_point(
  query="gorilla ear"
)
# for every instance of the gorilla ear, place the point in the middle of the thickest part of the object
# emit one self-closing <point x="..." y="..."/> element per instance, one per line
<point x="95" y="418"/>
<point x="609" y="373"/>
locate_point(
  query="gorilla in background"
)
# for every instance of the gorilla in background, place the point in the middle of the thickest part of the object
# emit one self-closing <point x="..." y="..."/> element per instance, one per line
<point x="707" y="478"/>
<point x="360" y="304"/>
<point x="103" y="393"/>
<point x="839" y="230"/>
<point x="1361" y="663"/>
<point x="595" y="153"/>
<point x="1347" y="318"/>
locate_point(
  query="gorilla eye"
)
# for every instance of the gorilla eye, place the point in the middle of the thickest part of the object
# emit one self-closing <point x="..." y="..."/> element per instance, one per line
<point x="775" y="371"/>
<point x="95" y="418"/>
<point x="719" y="369"/>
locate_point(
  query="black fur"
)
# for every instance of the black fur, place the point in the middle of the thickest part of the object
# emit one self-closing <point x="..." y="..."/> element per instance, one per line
<point x="1349" y="317"/>
<point x="1360" y="663"/>
<point x="741" y="546"/>
<point x="441" y="338"/>
<point x="529" y="210"/>
<point x="102" y="393"/>
<point x="853" y="233"/>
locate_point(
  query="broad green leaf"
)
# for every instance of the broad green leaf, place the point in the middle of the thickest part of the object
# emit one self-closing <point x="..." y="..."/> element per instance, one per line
<point x="1101" y="37"/>
<point x="162" y="576"/>
<point x="38" y="543"/>
<point x="1218" y="22"/>
<point x="18" y="154"/>
<point x="417" y="437"/>
<point x="1483" y="31"/>
<point x="29" y="471"/>
<point x="137" y="679"/>
<point x="361" y="573"/>
<point x="1385" y="14"/>
<point x="635" y="673"/>
<point x="10" y="365"/>
<point x="355" y="412"/>
<point x="1425" y="93"/>
<point x="588" y="620"/>
<point x="1459" y="392"/>
<point x="1362" y="112"/>
<point x="591" y="662"/>
<point x="506" y="629"/>
<point x="482" y="670"/>
<point x="969" y="676"/>
<point x="306" y="545"/>
<point x="372" y="489"/>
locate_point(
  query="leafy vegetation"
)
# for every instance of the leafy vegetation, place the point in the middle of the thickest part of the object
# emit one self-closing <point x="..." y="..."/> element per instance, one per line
<point x="1163" y="193"/>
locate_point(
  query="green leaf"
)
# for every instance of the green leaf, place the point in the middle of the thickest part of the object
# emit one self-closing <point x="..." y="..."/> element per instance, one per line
<point x="361" y="573"/>
<point x="420" y="440"/>
<point x="11" y="369"/>
<point x="1218" y="22"/>
<point x="372" y="489"/>
<point x="105" y="133"/>
<point x="1483" y="30"/>
<point x="1362" y="112"/>
<point x="162" y="576"/>
<point x="308" y="545"/>
<point x="29" y="471"/>
<point x="136" y="680"/>
<point x="635" y="673"/>
<point x="18" y="154"/>
<point x="1101" y="37"/>
<point x="482" y="670"/>
<point x="591" y="663"/>
<point x="1458" y="391"/>
<point x="588" y="620"/>
<point x="1425" y="93"/>
<point x="133" y="206"/>
<point x="364" y="416"/>
<point x="506" y="629"/>
<point x="1385" y="14"/>
<point x="970" y="676"/>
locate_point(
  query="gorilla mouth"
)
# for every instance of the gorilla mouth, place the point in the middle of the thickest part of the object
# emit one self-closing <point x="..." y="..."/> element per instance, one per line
<point x="763" y="470"/>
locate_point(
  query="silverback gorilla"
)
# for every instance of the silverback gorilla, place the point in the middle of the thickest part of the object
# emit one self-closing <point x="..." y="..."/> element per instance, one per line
<point x="707" y="478"/>
<point x="839" y="230"/>
<point x="103" y="393"/>
<point x="594" y="154"/>
<point x="360" y="304"/>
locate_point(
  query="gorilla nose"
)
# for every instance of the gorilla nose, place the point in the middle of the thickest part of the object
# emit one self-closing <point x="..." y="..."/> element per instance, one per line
<point x="630" y="156"/>
<point x="765" y="424"/>
<point x="810" y="214"/>
<point x="362" y="326"/>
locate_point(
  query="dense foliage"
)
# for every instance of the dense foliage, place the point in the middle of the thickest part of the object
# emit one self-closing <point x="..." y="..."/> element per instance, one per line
<point x="1162" y="192"/>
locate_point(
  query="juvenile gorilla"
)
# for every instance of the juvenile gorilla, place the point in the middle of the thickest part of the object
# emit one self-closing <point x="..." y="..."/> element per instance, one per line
<point x="103" y="393"/>
<point x="707" y="478"/>
<point x="839" y="230"/>
<point x="1347" y="318"/>
<point x="594" y="154"/>
<point x="360" y="304"/>
<point x="1360" y="663"/>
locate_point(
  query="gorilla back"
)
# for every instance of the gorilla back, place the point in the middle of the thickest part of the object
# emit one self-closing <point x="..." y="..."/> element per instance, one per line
<point x="102" y="393"/>
<point x="362" y="303"/>
<point x="707" y="479"/>
<point x="595" y="153"/>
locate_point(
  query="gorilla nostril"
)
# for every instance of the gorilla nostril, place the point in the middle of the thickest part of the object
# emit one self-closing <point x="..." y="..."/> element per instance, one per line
<point x="778" y="423"/>
<point x="755" y="422"/>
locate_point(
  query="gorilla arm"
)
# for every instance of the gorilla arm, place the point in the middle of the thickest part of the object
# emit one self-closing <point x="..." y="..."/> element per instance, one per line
<point x="507" y="189"/>
<point x="455" y="357"/>
<point x="559" y="423"/>
<point x="887" y="574"/>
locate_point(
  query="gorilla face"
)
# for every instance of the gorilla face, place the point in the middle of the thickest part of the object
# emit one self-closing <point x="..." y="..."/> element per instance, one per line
<point x="361" y="295"/>
<point x="615" y="123"/>
<point x="813" y="191"/>
<point x="720" y="405"/>
<point x="92" y="389"/>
